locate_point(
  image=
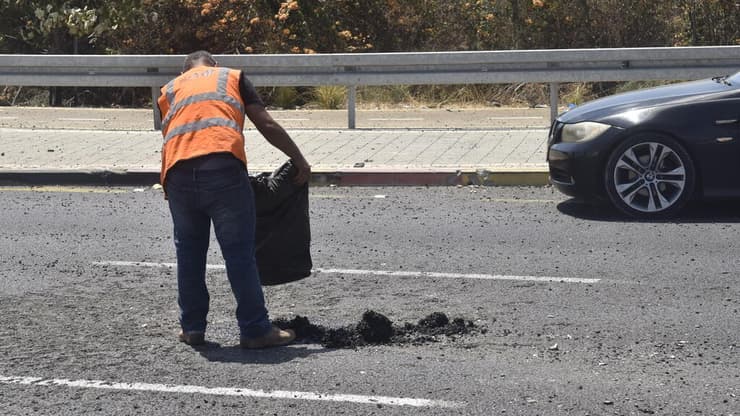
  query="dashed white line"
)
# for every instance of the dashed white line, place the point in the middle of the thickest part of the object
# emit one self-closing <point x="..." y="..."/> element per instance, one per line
<point x="517" y="118"/>
<point x="230" y="391"/>
<point x="292" y="119"/>
<point x="65" y="189"/>
<point x="82" y="119"/>
<point x="396" y="119"/>
<point x="8" y="118"/>
<point x="411" y="274"/>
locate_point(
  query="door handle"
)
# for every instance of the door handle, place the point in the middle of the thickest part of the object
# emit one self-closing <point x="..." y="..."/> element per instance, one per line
<point x="726" y="122"/>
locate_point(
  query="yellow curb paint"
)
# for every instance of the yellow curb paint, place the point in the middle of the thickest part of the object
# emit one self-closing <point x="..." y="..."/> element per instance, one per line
<point x="506" y="179"/>
<point x="519" y="178"/>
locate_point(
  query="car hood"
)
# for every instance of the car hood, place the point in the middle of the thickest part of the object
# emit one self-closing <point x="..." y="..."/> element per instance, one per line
<point x="609" y="106"/>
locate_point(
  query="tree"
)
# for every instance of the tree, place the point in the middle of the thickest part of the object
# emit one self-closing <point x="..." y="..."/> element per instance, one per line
<point x="710" y="22"/>
<point x="61" y="26"/>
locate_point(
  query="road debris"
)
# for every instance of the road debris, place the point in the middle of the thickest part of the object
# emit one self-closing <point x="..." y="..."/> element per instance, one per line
<point x="375" y="329"/>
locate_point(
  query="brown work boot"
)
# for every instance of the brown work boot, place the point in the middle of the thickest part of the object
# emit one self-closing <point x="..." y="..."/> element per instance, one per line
<point x="275" y="338"/>
<point x="192" y="337"/>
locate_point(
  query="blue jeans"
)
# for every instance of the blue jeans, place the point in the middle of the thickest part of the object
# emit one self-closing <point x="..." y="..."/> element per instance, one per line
<point x="224" y="196"/>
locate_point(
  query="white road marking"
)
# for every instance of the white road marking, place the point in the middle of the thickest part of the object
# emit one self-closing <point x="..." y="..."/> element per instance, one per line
<point x="64" y="189"/>
<point x="396" y="119"/>
<point x="292" y="119"/>
<point x="414" y="274"/>
<point x="536" y="130"/>
<point x="8" y="118"/>
<point x="484" y="199"/>
<point x="82" y="119"/>
<point x="230" y="391"/>
<point x="517" y="118"/>
<point x="460" y="275"/>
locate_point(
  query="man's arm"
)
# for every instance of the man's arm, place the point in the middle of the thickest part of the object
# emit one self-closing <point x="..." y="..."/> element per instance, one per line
<point x="278" y="137"/>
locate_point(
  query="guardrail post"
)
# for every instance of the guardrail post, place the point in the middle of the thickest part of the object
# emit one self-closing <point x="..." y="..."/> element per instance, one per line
<point x="554" y="100"/>
<point x="351" y="102"/>
<point x="157" y="115"/>
<point x="155" y="97"/>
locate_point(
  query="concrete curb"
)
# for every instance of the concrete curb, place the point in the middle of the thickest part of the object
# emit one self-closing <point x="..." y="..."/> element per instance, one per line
<point x="38" y="177"/>
<point x="348" y="177"/>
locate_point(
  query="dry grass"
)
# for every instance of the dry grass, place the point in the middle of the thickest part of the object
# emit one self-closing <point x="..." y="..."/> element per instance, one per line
<point x="330" y="97"/>
<point x="383" y="97"/>
<point x="285" y="97"/>
<point x="441" y="96"/>
<point x="479" y="95"/>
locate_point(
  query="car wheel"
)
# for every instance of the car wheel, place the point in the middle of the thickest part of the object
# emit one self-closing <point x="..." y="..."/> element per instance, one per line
<point x="650" y="176"/>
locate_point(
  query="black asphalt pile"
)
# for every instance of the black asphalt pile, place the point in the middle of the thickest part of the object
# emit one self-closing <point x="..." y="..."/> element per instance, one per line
<point x="376" y="329"/>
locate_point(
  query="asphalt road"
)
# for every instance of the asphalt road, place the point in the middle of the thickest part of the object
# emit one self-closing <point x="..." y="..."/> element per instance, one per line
<point x="583" y="311"/>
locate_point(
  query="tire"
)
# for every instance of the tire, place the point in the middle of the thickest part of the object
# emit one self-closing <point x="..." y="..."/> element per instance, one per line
<point x="650" y="176"/>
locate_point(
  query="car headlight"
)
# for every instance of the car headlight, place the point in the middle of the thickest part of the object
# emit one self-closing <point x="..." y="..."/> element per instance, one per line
<point x="581" y="132"/>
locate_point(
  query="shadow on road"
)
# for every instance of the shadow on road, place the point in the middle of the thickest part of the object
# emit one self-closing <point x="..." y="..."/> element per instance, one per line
<point x="725" y="211"/>
<point x="234" y="354"/>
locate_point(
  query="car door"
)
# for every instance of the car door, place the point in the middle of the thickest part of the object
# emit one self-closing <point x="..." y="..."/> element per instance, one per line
<point x="716" y="137"/>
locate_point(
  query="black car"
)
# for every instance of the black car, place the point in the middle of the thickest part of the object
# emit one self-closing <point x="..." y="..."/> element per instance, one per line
<point x="650" y="151"/>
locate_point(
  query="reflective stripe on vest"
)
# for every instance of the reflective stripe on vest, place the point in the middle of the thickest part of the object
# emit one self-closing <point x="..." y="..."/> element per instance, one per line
<point x="220" y="94"/>
<point x="170" y="92"/>
<point x="200" y="125"/>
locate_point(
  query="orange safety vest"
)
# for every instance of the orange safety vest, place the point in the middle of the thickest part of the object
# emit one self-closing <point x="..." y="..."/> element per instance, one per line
<point x="202" y="113"/>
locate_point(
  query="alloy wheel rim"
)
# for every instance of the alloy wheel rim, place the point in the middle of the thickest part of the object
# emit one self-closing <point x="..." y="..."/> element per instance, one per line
<point x="649" y="177"/>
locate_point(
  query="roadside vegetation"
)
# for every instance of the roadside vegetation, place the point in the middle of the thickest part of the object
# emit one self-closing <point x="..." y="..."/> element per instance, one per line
<point x="353" y="26"/>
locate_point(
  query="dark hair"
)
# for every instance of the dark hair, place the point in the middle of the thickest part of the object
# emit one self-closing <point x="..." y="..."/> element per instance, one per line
<point x="198" y="58"/>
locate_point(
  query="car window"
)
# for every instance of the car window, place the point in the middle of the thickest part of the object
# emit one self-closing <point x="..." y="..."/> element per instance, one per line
<point x="734" y="79"/>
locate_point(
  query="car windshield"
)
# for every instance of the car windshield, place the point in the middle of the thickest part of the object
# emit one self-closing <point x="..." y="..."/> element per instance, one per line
<point x="734" y="79"/>
<point x="731" y="79"/>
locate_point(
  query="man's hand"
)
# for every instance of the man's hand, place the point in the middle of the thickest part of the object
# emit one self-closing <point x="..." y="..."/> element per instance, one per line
<point x="276" y="135"/>
<point x="303" y="173"/>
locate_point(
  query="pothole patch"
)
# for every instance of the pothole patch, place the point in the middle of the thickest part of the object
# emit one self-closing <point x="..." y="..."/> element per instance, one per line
<point x="377" y="329"/>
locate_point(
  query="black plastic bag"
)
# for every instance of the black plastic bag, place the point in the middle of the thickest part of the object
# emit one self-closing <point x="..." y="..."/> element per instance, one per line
<point x="283" y="234"/>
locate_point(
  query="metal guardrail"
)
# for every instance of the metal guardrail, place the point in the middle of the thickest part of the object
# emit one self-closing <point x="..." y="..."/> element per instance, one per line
<point x="552" y="66"/>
